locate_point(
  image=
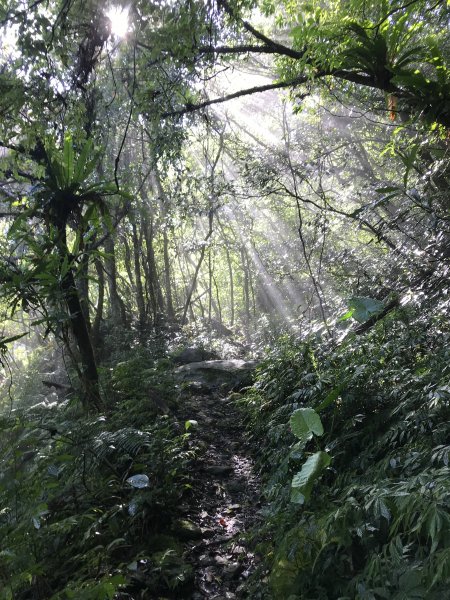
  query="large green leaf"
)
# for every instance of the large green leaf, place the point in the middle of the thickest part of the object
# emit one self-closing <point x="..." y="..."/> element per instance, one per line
<point x="80" y="171"/>
<point x="68" y="160"/>
<point x="303" y="481"/>
<point x="362" y="309"/>
<point x="305" y="422"/>
<point x="57" y="174"/>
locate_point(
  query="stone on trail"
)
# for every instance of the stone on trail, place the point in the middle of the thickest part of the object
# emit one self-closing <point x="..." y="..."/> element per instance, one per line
<point x="187" y="530"/>
<point x="215" y="374"/>
<point x="192" y="355"/>
<point x="218" y="470"/>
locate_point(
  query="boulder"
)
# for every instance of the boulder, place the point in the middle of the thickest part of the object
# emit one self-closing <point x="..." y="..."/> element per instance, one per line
<point x="214" y="374"/>
<point x="192" y="355"/>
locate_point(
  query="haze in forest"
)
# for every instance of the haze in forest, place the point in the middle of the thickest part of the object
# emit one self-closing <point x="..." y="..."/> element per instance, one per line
<point x="224" y="261"/>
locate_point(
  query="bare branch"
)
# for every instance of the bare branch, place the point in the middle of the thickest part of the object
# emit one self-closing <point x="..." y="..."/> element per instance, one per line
<point x="247" y="92"/>
<point x="240" y="49"/>
<point x="276" y="46"/>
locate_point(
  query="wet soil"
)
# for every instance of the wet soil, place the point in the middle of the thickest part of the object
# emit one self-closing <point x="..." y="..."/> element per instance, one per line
<point x="225" y="499"/>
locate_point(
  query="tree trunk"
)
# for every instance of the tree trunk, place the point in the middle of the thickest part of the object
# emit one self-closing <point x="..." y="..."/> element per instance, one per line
<point x="246" y="294"/>
<point x="154" y="288"/>
<point x="137" y="277"/>
<point x="116" y="307"/>
<point x="167" y="277"/>
<point x="230" y="271"/>
<point x="100" y="302"/>
<point x="83" y="287"/>
<point x="128" y="260"/>
<point x="159" y="191"/>
<point x="219" y="307"/>
<point x="77" y="320"/>
<point x="197" y="269"/>
<point x="80" y="330"/>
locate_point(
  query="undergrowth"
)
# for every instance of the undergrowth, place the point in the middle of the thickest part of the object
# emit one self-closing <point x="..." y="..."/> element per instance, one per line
<point x="377" y="524"/>
<point x="86" y="503"/>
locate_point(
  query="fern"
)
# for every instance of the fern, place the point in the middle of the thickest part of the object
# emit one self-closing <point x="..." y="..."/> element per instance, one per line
<point x="124" y="441"/>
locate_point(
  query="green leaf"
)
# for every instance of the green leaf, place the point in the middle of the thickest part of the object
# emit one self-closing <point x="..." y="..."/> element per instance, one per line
<point x="347" y="315"/>
<point x="80" y="171"/>
<point x="364" y="308"/>
<point x="64" y="267"/>
<point x="305" y="422"/>
<point x="331" y="397"/>
<point x="408" y="161"/>
<point x="303" y="481"/>
<point x="190" y="423"/>
<point x="12" y="339"/>
<point x="68" y="160"/>
<point x="410" y="56"/>
<point x="57" y="174"/>
<point x="91" y="213"/>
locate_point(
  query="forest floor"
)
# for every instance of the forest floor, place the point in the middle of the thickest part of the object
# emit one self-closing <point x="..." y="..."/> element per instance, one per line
<point x="225" y="500"/>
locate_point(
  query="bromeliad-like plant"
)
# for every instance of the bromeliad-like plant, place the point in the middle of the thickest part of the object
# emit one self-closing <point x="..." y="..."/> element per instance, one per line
<point x="46" y="272"/>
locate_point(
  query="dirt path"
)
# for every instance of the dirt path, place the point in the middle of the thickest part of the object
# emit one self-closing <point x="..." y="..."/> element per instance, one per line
<point x="225" y="500"/>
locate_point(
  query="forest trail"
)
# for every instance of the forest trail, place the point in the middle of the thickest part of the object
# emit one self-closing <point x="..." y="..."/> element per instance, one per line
<point x="225" y="499"/>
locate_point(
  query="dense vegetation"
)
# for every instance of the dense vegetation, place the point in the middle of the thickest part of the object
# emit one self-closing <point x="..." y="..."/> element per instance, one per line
<point x="261" y="180"/>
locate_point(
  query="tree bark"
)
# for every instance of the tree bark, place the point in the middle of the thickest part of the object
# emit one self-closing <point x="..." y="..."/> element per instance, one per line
<point x="100" y="302"/>
<point x="159" y="192"/>
<point x="58" y="215"/>
<point x="116" y="308"/>
<point x="137" y="277"/>
<point x="153" y="284"/>
<point x="80" y="330"/>
<point x="197" y="268"/>
<point x="246" y="294"/>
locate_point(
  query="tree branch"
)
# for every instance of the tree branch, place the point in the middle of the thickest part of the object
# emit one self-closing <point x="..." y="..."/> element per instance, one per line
<point x="277" y="47"/>
<point x="240" y="49"/>
<point x="374" y="320"/>
<point x="20" y="13"/>
<point x="247" y="92"/>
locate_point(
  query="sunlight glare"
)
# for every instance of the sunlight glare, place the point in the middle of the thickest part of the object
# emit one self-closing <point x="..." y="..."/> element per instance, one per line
<point x="118" y="16"/>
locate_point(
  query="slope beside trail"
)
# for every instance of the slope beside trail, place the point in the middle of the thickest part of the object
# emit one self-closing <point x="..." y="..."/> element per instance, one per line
<point x="225" y="499"/>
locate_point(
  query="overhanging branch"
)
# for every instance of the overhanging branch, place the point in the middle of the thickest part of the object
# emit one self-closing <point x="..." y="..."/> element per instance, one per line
<point x="276" y="46"/>
<point x="247" y="92"/>
<point x="240" y="49"/>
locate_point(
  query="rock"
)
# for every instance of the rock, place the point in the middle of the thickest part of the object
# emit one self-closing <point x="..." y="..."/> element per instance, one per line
<point x="205" y="561"/>
<point x="192" y="355"/>
<point x="224" y="538"/>
<point x="208" y="532"/>
<point x="196" y="387"/>
<point x="232" y="570"/>
<point x="217" y="374"/>
<point x="218" y="470"/>
<point x="235" y="485"/>
<point x="210" y="574"/>
<point x="187" y="530"/>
